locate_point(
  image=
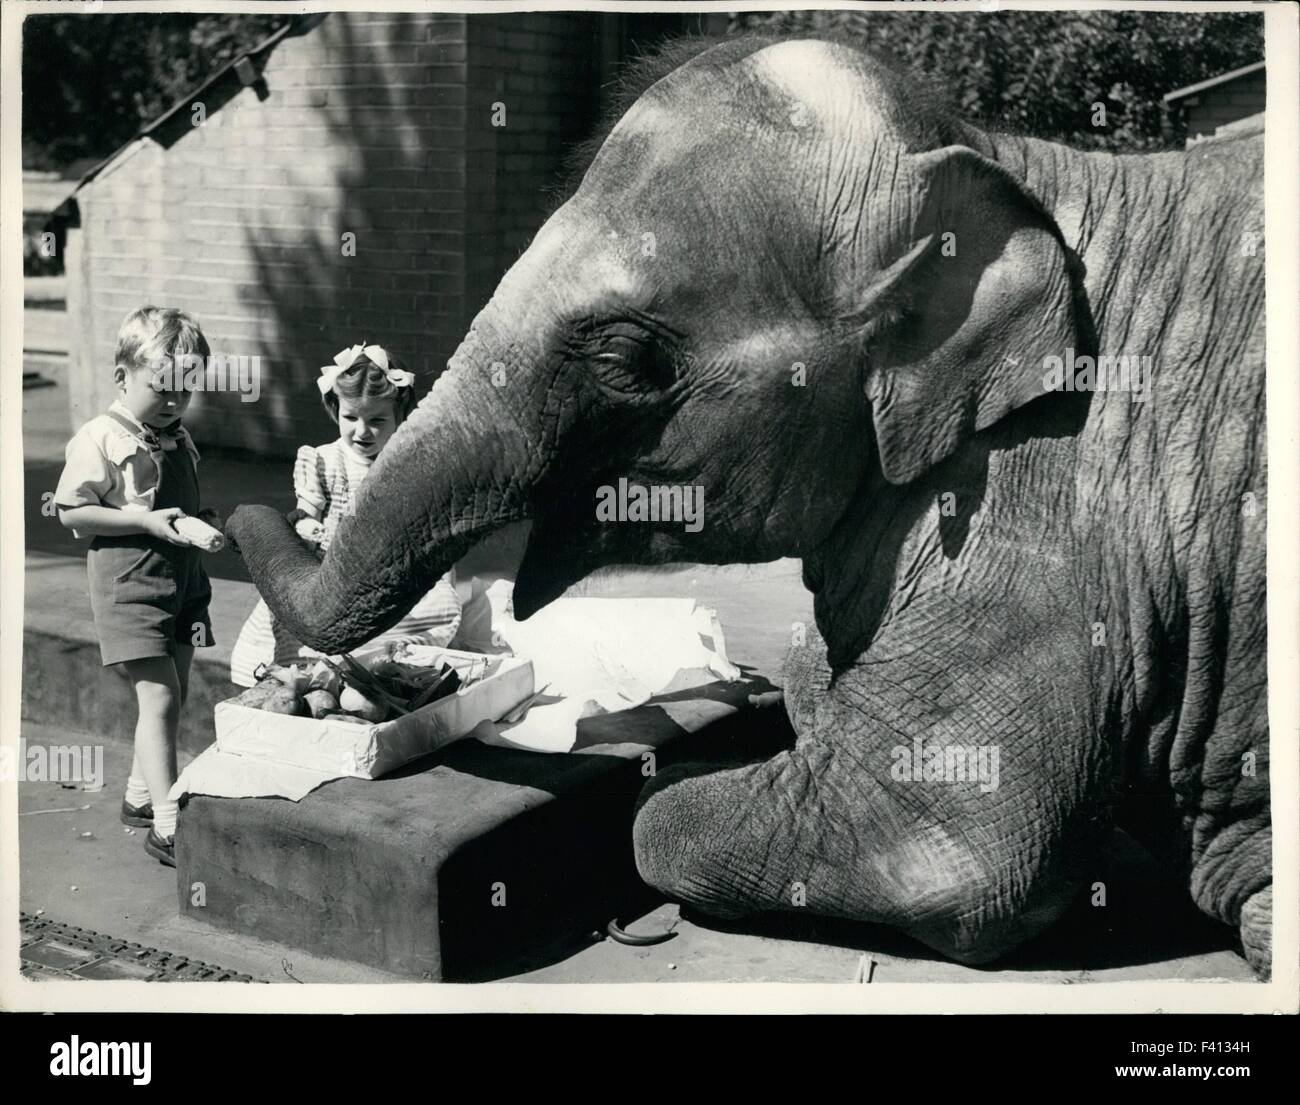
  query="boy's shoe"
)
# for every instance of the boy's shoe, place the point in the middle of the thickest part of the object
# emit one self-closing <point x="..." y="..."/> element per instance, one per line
<point x="163" y="850"/>
<point x="139" y="816"/>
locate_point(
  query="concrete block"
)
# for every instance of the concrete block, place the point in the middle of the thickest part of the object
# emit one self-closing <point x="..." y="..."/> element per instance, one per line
<point x="467" y="865"/>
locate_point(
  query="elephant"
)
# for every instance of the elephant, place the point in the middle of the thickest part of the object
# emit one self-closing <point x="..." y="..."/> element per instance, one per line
<point x="1003" y="399"/>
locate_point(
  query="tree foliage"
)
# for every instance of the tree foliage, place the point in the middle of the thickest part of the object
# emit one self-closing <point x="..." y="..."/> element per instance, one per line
<point x="90" y="81"/>
<point x="1041" y="73"/>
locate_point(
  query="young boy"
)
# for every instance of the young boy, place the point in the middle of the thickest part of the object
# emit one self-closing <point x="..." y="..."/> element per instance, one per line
<point x="129" y="474"/>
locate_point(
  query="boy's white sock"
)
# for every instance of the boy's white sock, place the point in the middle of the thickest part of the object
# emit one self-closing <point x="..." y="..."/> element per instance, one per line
<point x="164" y="819"/>
<point x="137" y="793"/>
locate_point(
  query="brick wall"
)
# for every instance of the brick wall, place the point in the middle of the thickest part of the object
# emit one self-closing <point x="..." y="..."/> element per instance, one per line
<point x="376" y="124"/>
<point x="540" y="67"/>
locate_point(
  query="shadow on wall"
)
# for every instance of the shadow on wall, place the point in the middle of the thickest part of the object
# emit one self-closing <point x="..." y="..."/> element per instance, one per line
<point x="370" y="266"/>
<point x="439" y="201"/>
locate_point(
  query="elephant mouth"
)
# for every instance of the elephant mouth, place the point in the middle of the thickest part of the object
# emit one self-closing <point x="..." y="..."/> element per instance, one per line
<point x="568" y="542"/>
<point x="537" y="585"/>
<point x="563" y="546"/>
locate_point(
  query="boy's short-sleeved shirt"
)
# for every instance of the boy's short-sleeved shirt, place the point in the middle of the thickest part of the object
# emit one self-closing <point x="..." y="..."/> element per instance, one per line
<point x="105" y="464"/>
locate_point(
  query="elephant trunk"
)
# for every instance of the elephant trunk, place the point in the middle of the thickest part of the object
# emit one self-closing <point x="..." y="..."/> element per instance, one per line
<point x="459" y="467"/>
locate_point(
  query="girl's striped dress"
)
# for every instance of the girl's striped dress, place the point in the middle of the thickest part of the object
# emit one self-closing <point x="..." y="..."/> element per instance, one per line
<point x="328" y="477"/>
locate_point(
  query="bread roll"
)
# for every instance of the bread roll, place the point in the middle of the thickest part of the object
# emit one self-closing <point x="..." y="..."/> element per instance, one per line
<point x="198" y="533"/>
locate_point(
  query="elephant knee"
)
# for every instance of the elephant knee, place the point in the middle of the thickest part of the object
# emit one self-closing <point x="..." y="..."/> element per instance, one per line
<point x="673" y="835"/>
<point x="661" y="833"/>
<point x="651" y="819"/>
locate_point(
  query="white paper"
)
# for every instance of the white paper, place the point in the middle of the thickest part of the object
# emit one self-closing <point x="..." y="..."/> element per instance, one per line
<point x="225" y="775"/>
<point x="606" y="655"/>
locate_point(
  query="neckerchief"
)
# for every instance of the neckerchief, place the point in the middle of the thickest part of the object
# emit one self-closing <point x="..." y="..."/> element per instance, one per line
<point x="154" y="439"/>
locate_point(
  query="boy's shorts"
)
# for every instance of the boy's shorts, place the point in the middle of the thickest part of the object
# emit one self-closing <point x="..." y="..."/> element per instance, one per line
<point x="147" y="596"/>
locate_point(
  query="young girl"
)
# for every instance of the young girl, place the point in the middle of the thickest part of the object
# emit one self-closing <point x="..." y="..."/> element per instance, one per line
<point x="368" y="394"/>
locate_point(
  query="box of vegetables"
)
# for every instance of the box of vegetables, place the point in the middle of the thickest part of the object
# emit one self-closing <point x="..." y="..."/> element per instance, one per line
<point x="365" y="716"/>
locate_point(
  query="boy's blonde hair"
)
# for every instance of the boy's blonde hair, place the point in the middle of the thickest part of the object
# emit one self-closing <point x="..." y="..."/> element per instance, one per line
<point x="149" y="335"/>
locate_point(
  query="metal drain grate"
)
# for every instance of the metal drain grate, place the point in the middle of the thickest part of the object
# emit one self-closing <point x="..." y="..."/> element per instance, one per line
<point x="51" y="950"/>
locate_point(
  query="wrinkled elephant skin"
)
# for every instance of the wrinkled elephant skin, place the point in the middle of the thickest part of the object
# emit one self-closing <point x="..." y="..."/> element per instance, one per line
<point x="791" y="284"/>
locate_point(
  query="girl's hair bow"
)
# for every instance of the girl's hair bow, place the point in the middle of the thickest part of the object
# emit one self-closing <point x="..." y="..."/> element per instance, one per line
<point x="346" y="358"/>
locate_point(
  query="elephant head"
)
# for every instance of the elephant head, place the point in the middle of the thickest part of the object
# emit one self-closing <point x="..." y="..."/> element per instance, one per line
<point x="783" y="273"/>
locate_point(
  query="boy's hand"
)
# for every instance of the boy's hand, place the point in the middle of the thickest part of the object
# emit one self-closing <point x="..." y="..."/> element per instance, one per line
<point x="158" y="523"/>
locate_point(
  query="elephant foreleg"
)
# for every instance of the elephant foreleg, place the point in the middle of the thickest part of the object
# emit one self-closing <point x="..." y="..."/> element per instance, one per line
<point x="811" y="829"/>
<point x="970" y="866"/>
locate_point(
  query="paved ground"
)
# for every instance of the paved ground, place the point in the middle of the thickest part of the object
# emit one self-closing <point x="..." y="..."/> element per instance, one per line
<point x="104" y="882"/>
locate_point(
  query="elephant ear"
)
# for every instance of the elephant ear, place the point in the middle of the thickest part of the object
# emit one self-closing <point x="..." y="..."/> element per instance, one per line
<point x="958" y="328"/>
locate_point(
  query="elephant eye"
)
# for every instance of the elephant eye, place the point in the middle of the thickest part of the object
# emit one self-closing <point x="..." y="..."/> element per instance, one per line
<point x="627" y="358"/>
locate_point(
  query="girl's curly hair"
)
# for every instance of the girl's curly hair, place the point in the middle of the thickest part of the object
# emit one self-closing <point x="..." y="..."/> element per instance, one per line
<point x="366" y="380"/>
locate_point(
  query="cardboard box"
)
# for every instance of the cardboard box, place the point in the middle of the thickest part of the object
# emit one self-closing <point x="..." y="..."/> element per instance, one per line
<point x="368" y="751"/>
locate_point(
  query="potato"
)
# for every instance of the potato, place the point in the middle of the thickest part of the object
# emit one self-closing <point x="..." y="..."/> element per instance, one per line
<point x="354" y="702"/>
<point x="320" y="702"/>
<point x="256" y="695"/>
<point x="285" y="701"/>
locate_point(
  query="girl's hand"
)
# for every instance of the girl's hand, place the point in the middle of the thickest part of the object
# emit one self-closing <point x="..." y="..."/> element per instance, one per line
<point x="311" y="532"/>
<point x="158" y="523"/>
